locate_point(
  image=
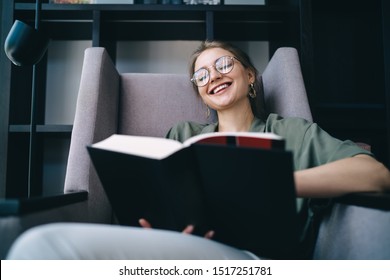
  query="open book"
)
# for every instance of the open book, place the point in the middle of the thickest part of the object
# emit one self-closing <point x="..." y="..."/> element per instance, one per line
<point x="238" y="184"/>
<point x="159" y="148"/>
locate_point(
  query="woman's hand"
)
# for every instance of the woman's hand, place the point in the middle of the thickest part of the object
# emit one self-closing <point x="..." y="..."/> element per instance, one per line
<point x="187" y="230"/>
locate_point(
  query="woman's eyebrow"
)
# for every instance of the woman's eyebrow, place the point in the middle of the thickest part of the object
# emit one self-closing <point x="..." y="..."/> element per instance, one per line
<point x="201" y="67"/>
<point x="209" y="64"/>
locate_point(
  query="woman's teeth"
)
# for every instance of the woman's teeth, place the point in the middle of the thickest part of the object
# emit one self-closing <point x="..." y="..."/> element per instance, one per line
<point x="219" y="88"/>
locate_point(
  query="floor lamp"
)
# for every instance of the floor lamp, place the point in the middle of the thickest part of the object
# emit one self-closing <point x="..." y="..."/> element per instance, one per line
<point x="25" y="46"/>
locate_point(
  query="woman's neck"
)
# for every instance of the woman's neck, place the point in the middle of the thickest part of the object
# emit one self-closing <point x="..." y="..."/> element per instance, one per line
<point x="235" y="120"/>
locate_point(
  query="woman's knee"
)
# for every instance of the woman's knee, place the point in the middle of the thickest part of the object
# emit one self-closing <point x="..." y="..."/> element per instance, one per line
<point x="36" y="243"/>
<point x="93" y="241"/>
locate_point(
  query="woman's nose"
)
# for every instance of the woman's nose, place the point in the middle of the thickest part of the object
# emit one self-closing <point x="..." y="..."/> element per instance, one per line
<point x="214" y="74"/>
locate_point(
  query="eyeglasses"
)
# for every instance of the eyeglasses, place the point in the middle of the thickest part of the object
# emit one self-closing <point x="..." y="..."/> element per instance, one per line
<point x="223" y="65"/>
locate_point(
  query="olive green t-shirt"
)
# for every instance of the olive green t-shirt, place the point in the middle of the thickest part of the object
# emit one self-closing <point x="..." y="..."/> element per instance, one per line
<point x="311" y="146"/>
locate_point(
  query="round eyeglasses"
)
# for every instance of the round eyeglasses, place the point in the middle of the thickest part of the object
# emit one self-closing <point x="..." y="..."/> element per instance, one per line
<point x="223" y="65"/>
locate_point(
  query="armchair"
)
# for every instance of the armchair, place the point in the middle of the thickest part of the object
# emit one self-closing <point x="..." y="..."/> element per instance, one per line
<point x="148" y="105"/>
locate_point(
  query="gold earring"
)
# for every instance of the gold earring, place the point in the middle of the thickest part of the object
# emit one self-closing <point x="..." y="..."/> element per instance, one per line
<point x="252" y="91"/>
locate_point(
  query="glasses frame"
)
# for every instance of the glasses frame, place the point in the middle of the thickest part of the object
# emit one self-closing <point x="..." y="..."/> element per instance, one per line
<point x="193" y="80"/>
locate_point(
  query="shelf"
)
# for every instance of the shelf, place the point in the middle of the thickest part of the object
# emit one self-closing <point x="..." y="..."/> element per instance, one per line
<point x="47" y="129"/>
<point x="13" y="207"/>
<point x="124" y="12"/>
<point x="142" y="7"/>
<point x="160" y="22"/>
<point x="51" y="128"/>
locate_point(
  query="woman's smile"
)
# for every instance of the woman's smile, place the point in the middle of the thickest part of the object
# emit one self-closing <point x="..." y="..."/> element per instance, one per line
<point x="219" y="88"/>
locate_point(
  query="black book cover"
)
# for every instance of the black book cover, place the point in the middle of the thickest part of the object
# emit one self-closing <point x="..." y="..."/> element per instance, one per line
<point x="246" y="195"/>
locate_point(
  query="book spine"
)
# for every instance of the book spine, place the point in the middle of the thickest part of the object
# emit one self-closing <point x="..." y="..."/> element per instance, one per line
<point x="263" y="143"/>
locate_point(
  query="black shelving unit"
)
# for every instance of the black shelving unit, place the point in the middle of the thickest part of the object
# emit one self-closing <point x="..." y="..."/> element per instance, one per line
<point x="349" y="95"/>
<point x="104" y="25"/>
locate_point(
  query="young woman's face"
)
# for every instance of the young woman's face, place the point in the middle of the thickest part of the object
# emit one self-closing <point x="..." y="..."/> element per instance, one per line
<point x="223" y="90"/>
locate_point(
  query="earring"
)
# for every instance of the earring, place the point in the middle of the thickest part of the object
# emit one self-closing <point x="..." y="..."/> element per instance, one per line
<point x="252" y="91"/>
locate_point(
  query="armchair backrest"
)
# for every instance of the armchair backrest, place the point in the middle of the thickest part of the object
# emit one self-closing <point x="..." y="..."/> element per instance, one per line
<point x="283" y="85"/>
<point x="149" y="104"/>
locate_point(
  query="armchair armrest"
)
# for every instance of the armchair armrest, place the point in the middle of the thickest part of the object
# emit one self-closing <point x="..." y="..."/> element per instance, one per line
<point x="356" y="227"/>
<point x="369" y="199"/>
<point x="29" y="205"/>
<point x="18" y="215"/>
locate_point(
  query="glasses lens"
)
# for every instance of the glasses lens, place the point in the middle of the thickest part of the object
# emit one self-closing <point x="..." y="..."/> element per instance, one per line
<point x="224" y="64"/>
<point x="201" y="77"/>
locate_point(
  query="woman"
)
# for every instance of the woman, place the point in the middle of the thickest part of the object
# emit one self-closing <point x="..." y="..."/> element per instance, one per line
<point x="226" y="81"/>
<point x="326" y="167"/>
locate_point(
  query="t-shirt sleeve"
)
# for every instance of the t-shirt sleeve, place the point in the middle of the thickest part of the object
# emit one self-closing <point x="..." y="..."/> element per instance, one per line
<point x="311" y="145"/>
<point x="319" y="147"/>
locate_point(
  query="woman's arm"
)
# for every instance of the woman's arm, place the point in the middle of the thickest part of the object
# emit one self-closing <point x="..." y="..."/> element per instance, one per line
<point x="361" y="173"/>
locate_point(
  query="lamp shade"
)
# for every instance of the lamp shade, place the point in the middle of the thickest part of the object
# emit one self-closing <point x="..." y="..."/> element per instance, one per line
<point x="24" y="44"/>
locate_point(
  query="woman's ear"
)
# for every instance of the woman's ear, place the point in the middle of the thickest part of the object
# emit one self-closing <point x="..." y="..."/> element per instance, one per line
<point x="251" y="76"/>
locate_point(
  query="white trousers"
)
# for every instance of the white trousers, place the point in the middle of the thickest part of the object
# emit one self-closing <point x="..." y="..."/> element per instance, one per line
<point x="112" y="242"/>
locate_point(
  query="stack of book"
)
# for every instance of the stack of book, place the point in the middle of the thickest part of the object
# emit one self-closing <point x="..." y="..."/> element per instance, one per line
<point x="202" y="2"/>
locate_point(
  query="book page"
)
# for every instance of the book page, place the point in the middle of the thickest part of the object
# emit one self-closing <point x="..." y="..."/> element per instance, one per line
<point x="151" y="147"/>
<point x="220" y="137"/>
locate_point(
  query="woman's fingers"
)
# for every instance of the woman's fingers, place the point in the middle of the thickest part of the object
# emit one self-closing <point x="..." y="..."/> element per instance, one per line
<point x="209" y="234"/>
<point x="188" y="229"/>
<point x="144" y="223"/>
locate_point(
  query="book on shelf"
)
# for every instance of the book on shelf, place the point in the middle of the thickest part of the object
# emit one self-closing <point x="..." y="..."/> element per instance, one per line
<point x="70" y="1"/>
<point x="238" y="184"/>
<point x="92" y="1"/>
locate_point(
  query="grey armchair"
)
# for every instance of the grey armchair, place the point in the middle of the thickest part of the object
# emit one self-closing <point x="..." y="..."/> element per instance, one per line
<point x="149" y="104"/>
